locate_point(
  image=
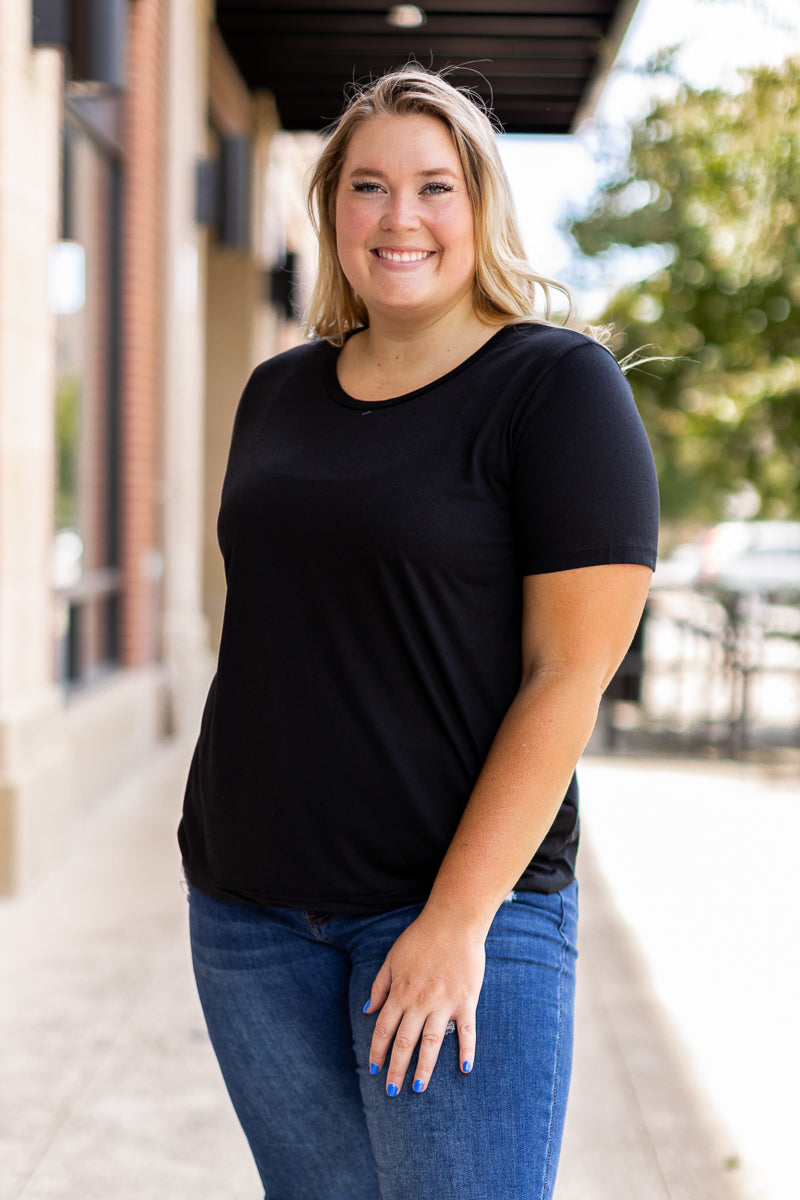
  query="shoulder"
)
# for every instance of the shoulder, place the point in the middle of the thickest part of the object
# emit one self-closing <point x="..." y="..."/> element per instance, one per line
<point x="286" y="377"/>
<point x="545" y="347"/>
<point x="298" y="360"/>
<point x="561" y="372"/>
<point x="295" y="372"/>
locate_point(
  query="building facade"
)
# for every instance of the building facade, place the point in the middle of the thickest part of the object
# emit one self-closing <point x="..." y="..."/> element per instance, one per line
<point x="151" y="227"/>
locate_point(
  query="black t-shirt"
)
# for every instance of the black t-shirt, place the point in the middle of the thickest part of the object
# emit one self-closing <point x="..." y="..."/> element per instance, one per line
<point x="374" y="554"/>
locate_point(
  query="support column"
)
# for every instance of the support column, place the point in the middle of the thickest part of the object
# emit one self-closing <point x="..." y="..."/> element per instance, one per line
<point x="34" y="786"/>
<point x="185" y="629"/>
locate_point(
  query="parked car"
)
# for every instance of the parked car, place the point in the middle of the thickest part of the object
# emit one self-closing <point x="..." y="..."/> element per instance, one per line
<point x="738" y="556"/>
<point x="751" y="556"/>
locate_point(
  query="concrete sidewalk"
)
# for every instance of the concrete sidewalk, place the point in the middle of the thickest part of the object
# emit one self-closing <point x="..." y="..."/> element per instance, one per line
<point x="699" y="868"/>
<point x="109" y="1089"/>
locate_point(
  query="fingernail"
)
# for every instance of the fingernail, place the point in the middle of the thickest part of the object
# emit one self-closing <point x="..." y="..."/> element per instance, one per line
<point x="419" y="1086"/>
<point x="366" y="1006"/>
<point x="391" y="1090"/>
<point x="466" y="1066"/>
<point x="374" y="1069"/>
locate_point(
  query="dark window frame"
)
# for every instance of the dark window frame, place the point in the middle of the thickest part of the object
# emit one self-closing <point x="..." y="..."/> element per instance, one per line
<point x="98" y="119"/>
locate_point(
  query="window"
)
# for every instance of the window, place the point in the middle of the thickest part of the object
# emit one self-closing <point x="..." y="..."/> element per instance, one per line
<point x="84" y="288"/>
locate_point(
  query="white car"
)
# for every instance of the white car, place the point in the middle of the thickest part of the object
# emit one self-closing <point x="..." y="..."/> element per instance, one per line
<point x="751" y="556"/>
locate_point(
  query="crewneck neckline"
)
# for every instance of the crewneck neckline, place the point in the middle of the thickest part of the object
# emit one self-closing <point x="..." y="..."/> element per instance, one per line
<point x="343" y="398"/>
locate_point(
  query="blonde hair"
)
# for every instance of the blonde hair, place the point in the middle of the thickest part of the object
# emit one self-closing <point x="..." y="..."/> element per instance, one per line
<point x="505" y="287"/>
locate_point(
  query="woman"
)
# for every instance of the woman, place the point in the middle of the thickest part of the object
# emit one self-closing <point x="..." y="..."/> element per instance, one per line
<point x="438" y="524"/>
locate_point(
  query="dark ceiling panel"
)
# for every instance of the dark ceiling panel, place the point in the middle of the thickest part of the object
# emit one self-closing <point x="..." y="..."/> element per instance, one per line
<point x="348" y="24"/>
<point x="536" y="60"/>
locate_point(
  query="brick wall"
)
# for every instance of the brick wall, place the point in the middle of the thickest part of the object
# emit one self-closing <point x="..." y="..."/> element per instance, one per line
<point x="142" y="255"/>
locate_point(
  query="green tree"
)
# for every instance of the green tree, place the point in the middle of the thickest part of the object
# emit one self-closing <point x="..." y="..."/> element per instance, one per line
<point x="714" y="179"/>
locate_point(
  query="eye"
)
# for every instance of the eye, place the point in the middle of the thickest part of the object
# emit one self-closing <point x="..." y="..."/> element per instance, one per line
<point x="366" y="185"/>
<point x="437" y="189"/>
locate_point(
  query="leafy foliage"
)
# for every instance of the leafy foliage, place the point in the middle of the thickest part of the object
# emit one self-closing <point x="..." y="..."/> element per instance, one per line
<point x="714" y="179"/>
<point x="68" y="403"/>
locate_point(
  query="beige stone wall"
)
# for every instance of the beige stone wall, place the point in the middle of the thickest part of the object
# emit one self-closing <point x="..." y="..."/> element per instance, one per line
<point x="241" y="331"/>
<point x="233" y="286"/>
<point x="185" y="633"/>
<point x="32" y="745"/>
<point x="29" y="158"/>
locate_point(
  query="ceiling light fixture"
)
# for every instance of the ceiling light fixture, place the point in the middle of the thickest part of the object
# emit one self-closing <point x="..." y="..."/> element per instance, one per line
<point x="406" y="16"/>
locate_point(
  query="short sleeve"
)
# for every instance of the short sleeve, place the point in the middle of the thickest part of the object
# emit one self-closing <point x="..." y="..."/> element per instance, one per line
<point x="585" y="491"/>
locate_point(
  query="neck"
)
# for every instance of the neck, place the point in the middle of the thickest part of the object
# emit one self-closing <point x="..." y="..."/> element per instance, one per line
<point x="390" y="358"/>
<point x="389" y="344"/>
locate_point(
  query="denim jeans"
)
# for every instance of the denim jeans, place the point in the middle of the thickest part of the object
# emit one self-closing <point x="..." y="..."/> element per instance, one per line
<point x="283" y="991"/>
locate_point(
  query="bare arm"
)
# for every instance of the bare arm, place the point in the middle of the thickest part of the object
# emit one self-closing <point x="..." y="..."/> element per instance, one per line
<point x="576" y="628"/>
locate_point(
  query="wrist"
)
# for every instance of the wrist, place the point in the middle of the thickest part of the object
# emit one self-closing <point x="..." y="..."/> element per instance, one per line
<point x="466" y="915"/>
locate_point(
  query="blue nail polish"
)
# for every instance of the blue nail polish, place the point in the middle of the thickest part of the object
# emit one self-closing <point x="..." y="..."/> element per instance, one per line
<point x="419" y="1086"/>
<point x="466" y="1066"/>
<point x="366" y="1006"/>
<point x="374" y="1069"/>
<point x="391" y="1090"/>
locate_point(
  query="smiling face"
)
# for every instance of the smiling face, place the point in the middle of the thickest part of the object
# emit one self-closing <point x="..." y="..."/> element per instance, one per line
<point x="404" y="225"/>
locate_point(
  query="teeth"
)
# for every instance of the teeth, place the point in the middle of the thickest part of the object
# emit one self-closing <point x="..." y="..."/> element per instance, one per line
<point x="404" y="256"/>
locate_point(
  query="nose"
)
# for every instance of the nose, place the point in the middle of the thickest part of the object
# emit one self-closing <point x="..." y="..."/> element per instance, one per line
<point x="400" y="212"/>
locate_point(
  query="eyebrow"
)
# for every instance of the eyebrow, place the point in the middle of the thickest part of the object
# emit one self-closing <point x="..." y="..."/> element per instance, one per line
<point x="422" y="174"/>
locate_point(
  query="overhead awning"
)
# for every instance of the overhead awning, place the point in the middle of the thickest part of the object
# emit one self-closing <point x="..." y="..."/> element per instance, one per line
<point x="540" y="63"/>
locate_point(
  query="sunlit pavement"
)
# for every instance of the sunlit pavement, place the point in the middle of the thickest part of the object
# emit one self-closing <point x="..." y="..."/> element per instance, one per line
<point x="108" y="1087"/>
<point x="699" y="858"/>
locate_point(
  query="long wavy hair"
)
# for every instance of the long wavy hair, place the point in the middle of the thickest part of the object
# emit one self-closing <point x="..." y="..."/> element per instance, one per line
<point x="506" y="288"/>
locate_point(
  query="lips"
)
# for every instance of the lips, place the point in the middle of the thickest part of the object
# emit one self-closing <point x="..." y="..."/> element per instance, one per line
<point x="403" y="256"/>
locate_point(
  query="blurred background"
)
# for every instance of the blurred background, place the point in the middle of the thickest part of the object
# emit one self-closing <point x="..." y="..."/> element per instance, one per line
<point x="154" y="246"/>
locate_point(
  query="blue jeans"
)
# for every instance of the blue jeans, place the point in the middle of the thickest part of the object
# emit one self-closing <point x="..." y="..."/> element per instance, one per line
<point x="283" y="991"/>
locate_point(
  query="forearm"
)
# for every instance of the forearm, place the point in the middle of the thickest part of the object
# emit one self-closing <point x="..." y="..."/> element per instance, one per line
<point x="516" y="796"/>
<point x="576" y="627"/>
